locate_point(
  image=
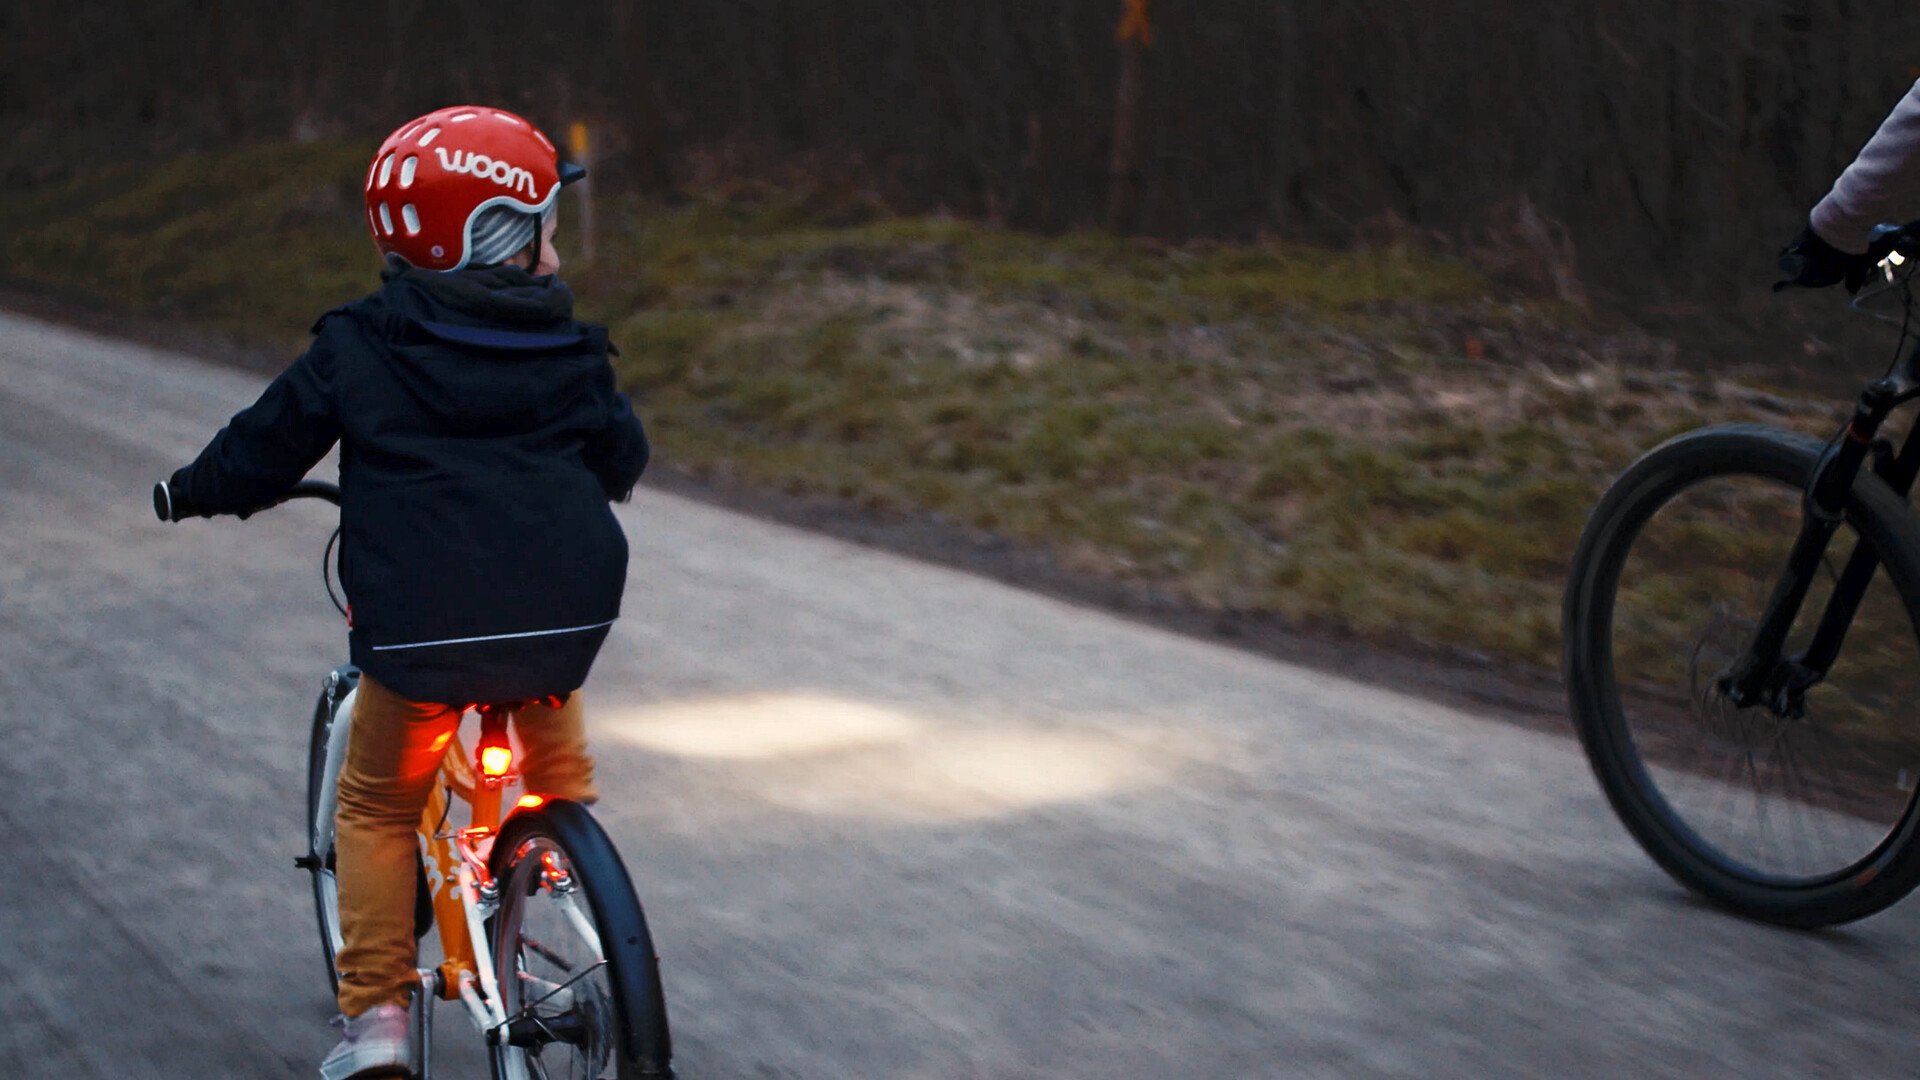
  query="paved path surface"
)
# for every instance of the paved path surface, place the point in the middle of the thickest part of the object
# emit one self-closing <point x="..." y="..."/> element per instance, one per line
<point x="889" y="820"/>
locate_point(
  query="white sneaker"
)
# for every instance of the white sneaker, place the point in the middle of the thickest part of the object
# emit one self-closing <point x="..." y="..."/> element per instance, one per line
<point x="376" y="1043"/>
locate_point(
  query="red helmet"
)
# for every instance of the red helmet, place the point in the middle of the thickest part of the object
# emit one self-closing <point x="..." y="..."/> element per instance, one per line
<point x="434" y="176"/>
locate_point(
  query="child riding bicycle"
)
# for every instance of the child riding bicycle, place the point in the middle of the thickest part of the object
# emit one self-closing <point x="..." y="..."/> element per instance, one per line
<point x="481" y="439"/>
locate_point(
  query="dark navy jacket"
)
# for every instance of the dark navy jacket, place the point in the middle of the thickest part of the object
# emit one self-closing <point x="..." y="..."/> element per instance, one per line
<point x="481" y="437"/>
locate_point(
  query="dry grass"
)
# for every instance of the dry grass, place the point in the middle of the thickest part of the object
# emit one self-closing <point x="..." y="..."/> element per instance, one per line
<point x="1373" y="440"/>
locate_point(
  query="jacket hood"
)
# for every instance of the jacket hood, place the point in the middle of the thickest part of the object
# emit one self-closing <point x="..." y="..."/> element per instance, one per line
<point x="486" y="351"/>
<point x="504" y="296"/>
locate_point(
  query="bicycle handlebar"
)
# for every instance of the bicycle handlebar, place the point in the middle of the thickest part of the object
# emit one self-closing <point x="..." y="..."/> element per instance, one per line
<point x="1889" y="238"/>
<point x="167" y="508"/>
<point x="312" y="489"/>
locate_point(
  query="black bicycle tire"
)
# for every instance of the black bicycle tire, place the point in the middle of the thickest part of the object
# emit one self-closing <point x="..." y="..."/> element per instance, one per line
<point x="1874" y="882"/>
<point x="645" y="1044"/>
<point x="316" y="772"/>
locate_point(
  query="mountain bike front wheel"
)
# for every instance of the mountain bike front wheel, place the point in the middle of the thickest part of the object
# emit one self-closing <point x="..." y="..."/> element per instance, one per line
<point x="1801" y="820"/>
<point x="579" y="980"/>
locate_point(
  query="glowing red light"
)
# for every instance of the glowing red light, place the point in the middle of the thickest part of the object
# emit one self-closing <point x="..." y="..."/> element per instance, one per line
<point x="532" y="802"/>
<point x="495" y="760"/>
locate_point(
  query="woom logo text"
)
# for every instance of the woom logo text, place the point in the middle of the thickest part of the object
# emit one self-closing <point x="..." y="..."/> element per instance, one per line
<point x="508" y="176"/>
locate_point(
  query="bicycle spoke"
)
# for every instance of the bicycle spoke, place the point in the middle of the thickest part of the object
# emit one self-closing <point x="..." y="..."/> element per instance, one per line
<point x="1794" y="753"/>
<point x="562" y="987"/>
<point x="560" y="998"/>
<point x="545" y="953"/>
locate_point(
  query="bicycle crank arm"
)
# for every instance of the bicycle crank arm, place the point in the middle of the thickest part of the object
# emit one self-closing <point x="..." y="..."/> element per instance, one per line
<point x="420" y="1021"/>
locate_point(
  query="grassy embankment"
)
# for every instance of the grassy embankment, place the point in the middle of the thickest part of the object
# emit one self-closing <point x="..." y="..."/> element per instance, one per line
<point x="1372" y="441"/>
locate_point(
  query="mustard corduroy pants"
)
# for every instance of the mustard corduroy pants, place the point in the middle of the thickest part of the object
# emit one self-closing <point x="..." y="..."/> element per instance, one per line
<point x="393" y="756"/>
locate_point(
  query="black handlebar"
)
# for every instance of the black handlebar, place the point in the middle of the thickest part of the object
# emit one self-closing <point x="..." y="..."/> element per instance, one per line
<point x="312" y="489"/>
<point x="1889" y="238"/>
<point x="1809" y="261"/>
<point x="169" y="507"/>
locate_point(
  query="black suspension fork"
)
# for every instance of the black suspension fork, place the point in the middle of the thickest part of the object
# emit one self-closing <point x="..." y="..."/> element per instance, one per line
<point x="1899" y="473"/>
<point x="1761" y="675"/>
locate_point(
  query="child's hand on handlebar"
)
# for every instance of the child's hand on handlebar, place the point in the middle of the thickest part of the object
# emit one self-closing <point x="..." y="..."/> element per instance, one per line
<point x="169" y="504"/>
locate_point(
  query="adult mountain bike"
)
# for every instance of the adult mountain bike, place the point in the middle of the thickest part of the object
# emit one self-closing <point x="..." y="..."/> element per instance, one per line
<point x="1740" y="630"/>
<point x="541" y="938"/>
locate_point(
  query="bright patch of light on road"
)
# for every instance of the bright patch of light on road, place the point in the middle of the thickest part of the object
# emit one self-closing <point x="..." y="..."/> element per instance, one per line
<point x="818" y="754"/>
<point x="1030" y="768"/>
<point x="754" y="727"/>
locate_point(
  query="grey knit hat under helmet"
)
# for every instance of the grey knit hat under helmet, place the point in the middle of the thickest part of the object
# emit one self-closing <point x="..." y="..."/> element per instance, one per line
<point x="500" y="232"/>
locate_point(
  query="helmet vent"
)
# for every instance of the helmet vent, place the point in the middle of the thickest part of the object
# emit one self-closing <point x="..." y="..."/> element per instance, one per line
<point x="410" y="217"/>
<point x="386" y="173"/>
<point x="407" y="168"/>
<point x="386" y="220"/>
<point x="427" y="139"/>
<point x="458" y="118"/>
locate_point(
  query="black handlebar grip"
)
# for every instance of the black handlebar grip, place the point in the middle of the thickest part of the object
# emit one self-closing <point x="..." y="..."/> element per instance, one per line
<point x="165" y="506"/>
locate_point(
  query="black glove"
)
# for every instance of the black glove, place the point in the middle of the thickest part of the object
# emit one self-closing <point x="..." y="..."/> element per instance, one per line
<point x="170" y="504"/>
<point x="1812" y="263"/>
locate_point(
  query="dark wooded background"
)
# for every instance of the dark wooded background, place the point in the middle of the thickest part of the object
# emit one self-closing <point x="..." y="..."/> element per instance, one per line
<point x="1648" y="145"/>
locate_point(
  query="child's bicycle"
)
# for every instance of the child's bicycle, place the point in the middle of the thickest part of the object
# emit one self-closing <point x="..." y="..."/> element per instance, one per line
<point x="542" y="939"/>
<point x="1709" y="600"/>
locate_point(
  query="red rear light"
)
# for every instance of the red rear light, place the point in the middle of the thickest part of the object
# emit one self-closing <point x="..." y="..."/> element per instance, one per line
<point x="495" y="760"/>
<point x="532" y="802"/>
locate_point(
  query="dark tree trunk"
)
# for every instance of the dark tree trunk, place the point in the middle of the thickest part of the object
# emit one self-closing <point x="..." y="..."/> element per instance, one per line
<point x="1125" y="181"/>
<point x="638" y="101"/>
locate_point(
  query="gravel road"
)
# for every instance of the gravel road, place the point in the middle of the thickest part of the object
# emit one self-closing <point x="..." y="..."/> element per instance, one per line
<point x="890" y="820"/>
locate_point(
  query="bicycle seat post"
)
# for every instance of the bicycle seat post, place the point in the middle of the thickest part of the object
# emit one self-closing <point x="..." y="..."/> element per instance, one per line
<point x="494" y="754"/>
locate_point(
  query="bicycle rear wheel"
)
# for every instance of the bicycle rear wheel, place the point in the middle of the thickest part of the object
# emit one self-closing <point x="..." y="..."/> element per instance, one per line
<point x="578" y="976"/>
<point x="1803" y="821"/>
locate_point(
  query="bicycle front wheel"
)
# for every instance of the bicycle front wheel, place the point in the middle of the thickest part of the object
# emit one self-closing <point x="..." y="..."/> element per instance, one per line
<point x="1802" y="821"/>
<point x="319" y="860"/>
<point x="578" y="976"/>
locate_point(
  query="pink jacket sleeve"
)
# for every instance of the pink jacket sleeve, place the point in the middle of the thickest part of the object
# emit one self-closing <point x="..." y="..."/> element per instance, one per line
<point x="1882" y="184"/>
